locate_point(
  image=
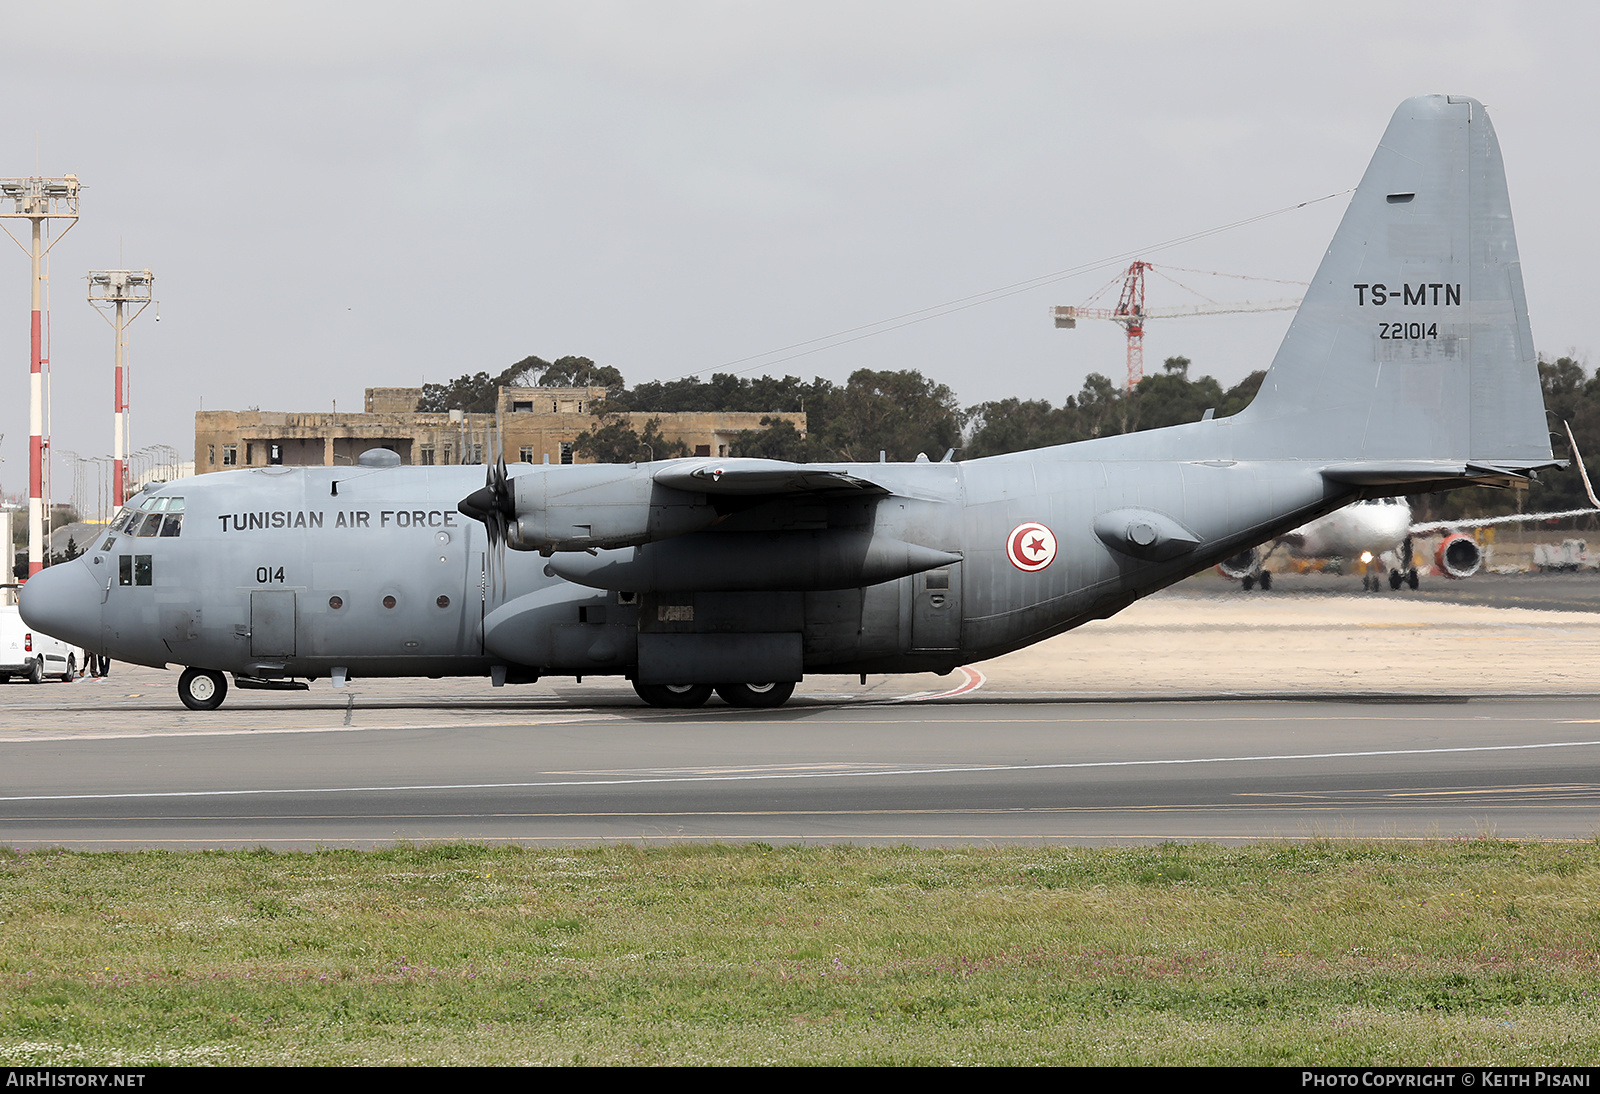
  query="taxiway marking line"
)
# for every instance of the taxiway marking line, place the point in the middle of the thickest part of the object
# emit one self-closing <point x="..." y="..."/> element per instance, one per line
<point x="612" y="838"/>
<point x="775" y="776"/>
<point x="13" y="735"/>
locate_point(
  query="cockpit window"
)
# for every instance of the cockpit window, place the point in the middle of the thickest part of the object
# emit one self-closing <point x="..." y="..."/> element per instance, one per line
<point x="155" y="516"/>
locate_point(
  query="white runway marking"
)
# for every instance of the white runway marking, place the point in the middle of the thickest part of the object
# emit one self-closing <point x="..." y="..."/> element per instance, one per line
<point x="772" y="776"/>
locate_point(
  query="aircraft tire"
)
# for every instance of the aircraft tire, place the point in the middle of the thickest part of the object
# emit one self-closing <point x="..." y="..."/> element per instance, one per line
<point x="1266" y="580"/>
<point x="1248" y="582"/>
<point x="677" y="696"/>
<point x="72" y="671"/>
<point x="36" y="673"/>
<point x="202" y="689"/>
<point x="1395" y="578"/>
<point x="755" y="695"/>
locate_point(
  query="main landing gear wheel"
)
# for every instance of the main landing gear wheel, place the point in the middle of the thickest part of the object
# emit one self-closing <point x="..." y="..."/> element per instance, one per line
<point x="202" y="689"/>
<point x="681" y="696"/>
<point x="755" y="695"/>
<point x="1266" y="580"/>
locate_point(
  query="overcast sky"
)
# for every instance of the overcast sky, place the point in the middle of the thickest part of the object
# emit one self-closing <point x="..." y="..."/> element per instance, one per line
<point x="341" y="195"/>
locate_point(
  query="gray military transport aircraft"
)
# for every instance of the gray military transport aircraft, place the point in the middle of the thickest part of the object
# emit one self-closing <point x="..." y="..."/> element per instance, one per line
<point x="1409" y="367"/>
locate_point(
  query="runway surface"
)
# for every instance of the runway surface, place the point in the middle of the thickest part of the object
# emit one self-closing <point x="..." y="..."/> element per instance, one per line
<point x="1199" y="714"/>
<point x="956" y="772"/>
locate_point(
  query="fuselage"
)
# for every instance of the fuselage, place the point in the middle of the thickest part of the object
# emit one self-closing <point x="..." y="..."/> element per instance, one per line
<point x="1367" y="528"/>
<point x="298" y="572"/>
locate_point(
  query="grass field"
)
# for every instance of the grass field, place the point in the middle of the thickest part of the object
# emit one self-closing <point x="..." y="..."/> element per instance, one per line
<point x="1336" y="953"/>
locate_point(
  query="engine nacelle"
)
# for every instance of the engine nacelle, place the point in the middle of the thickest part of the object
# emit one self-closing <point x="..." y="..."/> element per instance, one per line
<point x="587" y="506"/>
<point x="753" y="561"/>
<point x="1242" y="565"/>
<point x="1458" y="556"/>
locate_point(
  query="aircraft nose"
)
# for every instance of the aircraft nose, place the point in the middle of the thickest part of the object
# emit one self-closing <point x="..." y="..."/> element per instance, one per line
<point x="63" y="602"/>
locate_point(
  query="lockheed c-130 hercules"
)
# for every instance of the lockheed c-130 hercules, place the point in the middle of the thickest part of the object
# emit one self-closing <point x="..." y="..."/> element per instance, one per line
<point x="1408" y="368"/>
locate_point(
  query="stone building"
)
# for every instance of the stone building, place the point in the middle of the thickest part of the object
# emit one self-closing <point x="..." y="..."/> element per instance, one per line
<point x="539" y="425"/>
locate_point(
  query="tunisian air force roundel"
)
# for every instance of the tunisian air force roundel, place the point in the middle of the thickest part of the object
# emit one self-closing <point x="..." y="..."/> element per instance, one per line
<point x="1031" y="547"/>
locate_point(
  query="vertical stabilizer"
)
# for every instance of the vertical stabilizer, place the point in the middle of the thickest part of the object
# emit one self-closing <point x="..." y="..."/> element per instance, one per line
<point x="1413" y="340"/>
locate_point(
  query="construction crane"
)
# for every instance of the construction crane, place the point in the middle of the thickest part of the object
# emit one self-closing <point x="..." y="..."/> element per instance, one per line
<point x="1131" y="312"/>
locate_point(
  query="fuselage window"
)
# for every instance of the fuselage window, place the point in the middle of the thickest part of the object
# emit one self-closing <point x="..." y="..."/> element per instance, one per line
<point x="134" y="570"/>
<point x="106" y="546"/>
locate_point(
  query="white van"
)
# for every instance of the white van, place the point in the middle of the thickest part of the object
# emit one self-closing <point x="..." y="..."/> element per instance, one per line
<point x="26" y="653"/>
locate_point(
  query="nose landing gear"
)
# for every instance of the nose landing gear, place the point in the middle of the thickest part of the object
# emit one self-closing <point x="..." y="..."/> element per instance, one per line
<point x="202" y="689"/>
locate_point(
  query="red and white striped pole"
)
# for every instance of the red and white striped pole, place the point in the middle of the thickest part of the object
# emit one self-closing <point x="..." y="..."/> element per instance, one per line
<point x="36" y="417"/>
<point x="38" y="200"/>
<point x="119" y="405"/>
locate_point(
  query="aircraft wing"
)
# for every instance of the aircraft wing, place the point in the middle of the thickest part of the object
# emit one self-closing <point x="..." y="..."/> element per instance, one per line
<point x="1485" y="522"/>
<point x="752" y="476"/>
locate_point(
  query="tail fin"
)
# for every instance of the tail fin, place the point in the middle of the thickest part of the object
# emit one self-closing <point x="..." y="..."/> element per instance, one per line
<point x="1413" y="341"/>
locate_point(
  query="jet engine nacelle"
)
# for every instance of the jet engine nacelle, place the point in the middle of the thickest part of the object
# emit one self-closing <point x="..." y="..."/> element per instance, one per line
<point x="1242" y="565"/>
<point x="586" y="506"/>
<point x="1458" y="556"/>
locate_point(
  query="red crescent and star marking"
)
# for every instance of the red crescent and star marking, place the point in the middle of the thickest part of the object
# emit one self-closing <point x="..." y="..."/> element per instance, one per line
<point x="1031" y="547"/>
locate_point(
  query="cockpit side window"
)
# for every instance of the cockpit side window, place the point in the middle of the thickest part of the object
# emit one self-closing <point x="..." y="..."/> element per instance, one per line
<point x="172" y="525"/>
<point x="151" y="525"/>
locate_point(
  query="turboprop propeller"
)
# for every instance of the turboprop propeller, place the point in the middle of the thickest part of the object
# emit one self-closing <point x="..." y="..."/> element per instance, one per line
<point x="495" y="507"/>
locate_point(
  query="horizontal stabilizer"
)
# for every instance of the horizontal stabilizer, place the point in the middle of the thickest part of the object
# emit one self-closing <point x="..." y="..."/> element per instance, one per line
<point x="1421" y="476"/>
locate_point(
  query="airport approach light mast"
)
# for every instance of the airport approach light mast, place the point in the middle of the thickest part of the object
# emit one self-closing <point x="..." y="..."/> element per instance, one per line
<point x="122" y="288"/>
<point x="37" y="200"/>
<point x="1131" y="313"/>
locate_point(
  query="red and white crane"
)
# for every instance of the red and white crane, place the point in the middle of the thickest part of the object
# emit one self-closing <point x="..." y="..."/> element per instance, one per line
<point x="1132" y="313"/>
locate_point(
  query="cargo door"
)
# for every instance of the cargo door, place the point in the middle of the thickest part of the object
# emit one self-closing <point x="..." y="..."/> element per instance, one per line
<point x="272" y="617"/>
<point x="936" y="609"/>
